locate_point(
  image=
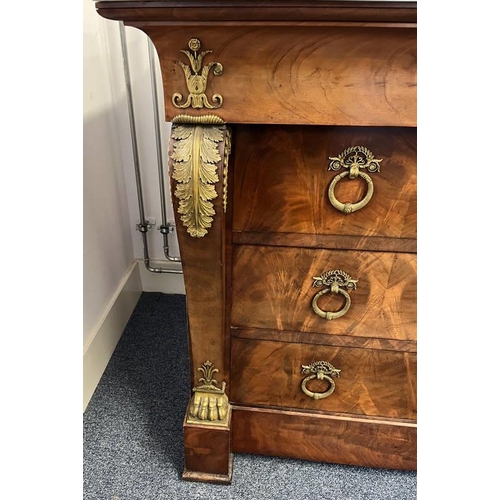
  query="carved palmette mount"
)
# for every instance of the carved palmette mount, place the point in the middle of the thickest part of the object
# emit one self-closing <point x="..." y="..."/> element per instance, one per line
<point x="209" y="404"/>
<point x="197" y="79"/>
<point x="321" y="368"/>
<point x="353" y="159"/>
<point x="335" y="277"/>
<point x="195" y="155"/>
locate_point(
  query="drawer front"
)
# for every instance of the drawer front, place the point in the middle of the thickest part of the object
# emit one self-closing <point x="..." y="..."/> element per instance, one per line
<point x="340" y="439"/>
<point x="273" y="288"/>
<point x="371" y="382"/>
<point x="292" y="74"/>
<point x="282" y="181"/>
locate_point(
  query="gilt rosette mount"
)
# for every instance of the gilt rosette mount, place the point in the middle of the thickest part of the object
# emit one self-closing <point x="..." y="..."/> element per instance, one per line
<point x="197" y="79"/>
<point x="321" y="370"/>
<point x="355" y="159"/>
<point x="336" y="281"/>
<point x="209" y="404"/>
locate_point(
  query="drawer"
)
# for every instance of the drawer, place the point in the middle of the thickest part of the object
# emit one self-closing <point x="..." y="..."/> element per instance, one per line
<point x="281" y="181"/>
<point x="293" y="74"/>
<point x="272" y="288"/>
<point x="372" y="382"/>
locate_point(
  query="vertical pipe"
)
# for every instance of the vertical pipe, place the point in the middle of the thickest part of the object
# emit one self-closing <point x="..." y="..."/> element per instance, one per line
<point x="164" y="228"/>
<point x="133" y="133"/>
<point x="152" y="65"/>
<point x="143" y="226"/>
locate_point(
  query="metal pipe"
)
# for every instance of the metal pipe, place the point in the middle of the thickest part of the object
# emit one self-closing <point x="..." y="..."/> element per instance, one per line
<point x="143" y="224"/>
<point x="147" y="261"/>
<point x="126" y="69"/>
<point x="165" y="228"/>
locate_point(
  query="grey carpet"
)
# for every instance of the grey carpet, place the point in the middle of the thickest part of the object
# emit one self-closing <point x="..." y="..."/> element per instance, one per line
<point x="132" y="430"/>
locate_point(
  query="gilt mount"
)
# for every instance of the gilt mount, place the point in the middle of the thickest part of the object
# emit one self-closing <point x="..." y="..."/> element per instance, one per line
<point x="335" y="280"/>
<point x="197" y="79"/>
<point x="321" y="370"/>
<point x="353" y="159"/>
<point x="209" y="404"/>
<point x="195" y="156"/>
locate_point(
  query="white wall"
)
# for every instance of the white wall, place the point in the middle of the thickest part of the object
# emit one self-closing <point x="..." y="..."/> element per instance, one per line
<point x="110" y="211"/>
<point x="107" y="246"/>
<point x="140" y="75"/>
<point x="113" y="274"/>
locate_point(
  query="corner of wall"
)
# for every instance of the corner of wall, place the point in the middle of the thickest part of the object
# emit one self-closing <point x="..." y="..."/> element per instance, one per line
<point x="108" y="330"/>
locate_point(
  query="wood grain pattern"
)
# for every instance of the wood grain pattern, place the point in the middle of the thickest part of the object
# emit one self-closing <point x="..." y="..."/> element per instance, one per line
<point x="272" y="288"/>
<point x="204" y="268"/>
<point x="207" y="450"/>
<point x="344" y="440"/>
<point x="270" y="157"/>
<point x="304" y="64"/>
<point x="327" y="241"/>
<point x="324" y="339"/>
<point x="291" y="11"/>
<point x="306" y="75"/>
<point x="372" y="382"/>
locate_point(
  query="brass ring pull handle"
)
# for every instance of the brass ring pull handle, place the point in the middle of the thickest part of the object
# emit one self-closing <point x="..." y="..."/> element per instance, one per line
<point x="321" y="370"/>
<point x="329" y="314"/>
<point x="354" y="159"/>
<point x="336" y="280"/>
<point x="347" y="208"/>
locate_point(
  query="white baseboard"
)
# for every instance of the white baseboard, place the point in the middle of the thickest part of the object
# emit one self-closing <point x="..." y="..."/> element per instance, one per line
<point x="108" y="330"/>
<point x="162" y="282"/>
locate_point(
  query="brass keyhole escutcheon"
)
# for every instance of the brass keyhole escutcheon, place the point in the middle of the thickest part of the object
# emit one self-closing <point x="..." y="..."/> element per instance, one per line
<point x="321" y="370"/>
<point x="354" y="159"/>
<point x="337" y="281"/>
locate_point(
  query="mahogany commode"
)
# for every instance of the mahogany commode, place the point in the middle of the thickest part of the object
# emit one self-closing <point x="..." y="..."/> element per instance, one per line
<point x="293" y="173"/>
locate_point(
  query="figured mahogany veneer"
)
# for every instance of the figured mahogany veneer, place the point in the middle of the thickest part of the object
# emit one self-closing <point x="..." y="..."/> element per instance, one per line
<point x="324" y="339"/>
<point x="319" y="70"/>
<point x="272" y="288"/>
<point x="209" y="450"/>
<point x="306" y="75"/>
<point x="326" y="438"/>
<point x="372" y="382"/>
<point x="301" y="82"/>
<point x="205" y="284"/>
<point x="268" y="11"/>
<point x="267" y="158"/>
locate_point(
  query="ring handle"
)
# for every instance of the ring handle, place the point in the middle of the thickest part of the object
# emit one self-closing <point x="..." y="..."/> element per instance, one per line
<point x="336" y="280"/>
<point x="330" y="314"/>
<point x="353" y="159"/>
<point x="348" y="208"/>
<point x="321" y="370"/>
